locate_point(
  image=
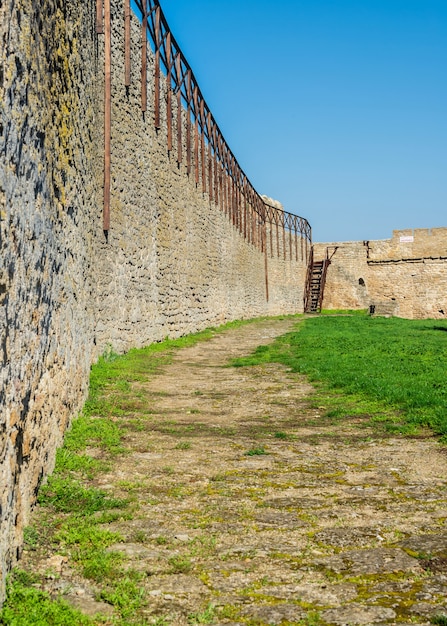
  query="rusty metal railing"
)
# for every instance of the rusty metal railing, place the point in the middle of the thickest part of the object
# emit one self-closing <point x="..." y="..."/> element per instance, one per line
<point x="193" y="133"/>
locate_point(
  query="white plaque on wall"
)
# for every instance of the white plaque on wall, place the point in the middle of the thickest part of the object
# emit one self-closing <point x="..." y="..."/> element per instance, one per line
<point x="406" y="239"/>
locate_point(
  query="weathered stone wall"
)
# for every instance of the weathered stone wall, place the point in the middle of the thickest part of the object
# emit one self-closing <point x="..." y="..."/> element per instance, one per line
<point x="404" y="276"/>
<point x="48" y="204"/>
<point x="173" y="262"/>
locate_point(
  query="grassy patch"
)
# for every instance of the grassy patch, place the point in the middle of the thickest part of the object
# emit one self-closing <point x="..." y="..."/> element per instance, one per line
<point x="360" y="312"/>
<point x="203" y="617"/>
<point x="281" y="435"/>
<point x="183" y="445"/>
<point x="25" y="606"/>
<point x="126" y="595"/>
<point x="100" y="431"/>
<point x="393" y="370"/>
<point x="87" y="542"/>
<point x="67" y="495"/>
<point x="256" y="451"/>
<point x="180" y="564"/>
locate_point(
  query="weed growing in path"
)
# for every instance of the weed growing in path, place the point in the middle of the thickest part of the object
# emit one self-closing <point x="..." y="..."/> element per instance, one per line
<point x="203" y="617"/>
<point x="256" y="451"/>
<point x="26" y="605"/>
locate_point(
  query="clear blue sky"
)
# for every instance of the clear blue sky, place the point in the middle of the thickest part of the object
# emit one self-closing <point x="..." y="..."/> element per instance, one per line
<point x="337" y="108"/>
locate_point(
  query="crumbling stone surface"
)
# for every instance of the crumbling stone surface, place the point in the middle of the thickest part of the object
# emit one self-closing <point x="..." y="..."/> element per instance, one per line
<point x="48" y="197"/>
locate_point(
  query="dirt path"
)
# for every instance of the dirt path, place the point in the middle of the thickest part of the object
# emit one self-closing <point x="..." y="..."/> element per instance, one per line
<point x="253" y="509"/>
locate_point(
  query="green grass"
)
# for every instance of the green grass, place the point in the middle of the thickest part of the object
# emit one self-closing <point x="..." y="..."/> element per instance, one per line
<point x="26" y="606"/>
<point x="180" y="564"/>
<point x="259" y="451"/>
<point x="281" y="435"/>
<point x="361" y="312"/>
<point x="67" y="495"/>
<point x="203" y="617"/>
<point x="394" y="369"/>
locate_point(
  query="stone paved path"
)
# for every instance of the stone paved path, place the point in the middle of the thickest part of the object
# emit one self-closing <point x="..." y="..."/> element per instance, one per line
<point x="332" y="524"/>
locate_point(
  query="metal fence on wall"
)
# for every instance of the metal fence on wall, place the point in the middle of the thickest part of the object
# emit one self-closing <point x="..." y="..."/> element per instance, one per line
<point x="194" y="135"/>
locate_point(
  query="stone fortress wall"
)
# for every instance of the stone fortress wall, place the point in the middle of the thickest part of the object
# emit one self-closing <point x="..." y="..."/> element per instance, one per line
<point x="405" y="276"/>
<point x="173" y="261"/>
<point x="49" y="190"/>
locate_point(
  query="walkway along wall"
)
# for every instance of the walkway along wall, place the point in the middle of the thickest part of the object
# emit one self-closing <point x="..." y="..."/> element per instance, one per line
<point x="405" y="276"/>
<point x="188" y="245"/>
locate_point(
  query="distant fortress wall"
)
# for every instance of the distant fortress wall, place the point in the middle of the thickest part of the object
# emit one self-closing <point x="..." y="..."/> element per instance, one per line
<point x="405" y="276"/>
<point x="175" y="259"/>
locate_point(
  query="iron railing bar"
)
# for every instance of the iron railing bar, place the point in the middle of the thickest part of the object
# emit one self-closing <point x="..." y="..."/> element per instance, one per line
<point x="206" y="123"/>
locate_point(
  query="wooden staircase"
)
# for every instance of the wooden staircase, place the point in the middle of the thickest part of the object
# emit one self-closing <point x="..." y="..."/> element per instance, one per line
<point x="316" y="281"/>
<point x="314" y="301"/>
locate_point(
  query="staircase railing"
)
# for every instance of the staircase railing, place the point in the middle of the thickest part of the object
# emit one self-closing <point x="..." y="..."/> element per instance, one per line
<point x="308" y="285"/>
<point x="309" y="302"/>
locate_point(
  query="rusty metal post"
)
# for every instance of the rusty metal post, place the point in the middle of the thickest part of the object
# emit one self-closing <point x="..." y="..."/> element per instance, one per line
<point x="233" y="200"/>
<point x="99" y="18"/>
<point x="216" y="180"/>
<point x="230" y="197"/>
<point x="224" y="190"/>
<point x="178" y="68"/>
<point x="107" y="113"/>
<point x="196" y="134"/>
<point x="157" y="67"/>
<point x="239" y="204"/>
<point x="169" y="90"/>
<point x="144" y="58"/>
<point x="261" y="222"/>
<point x="252" y="223"/>
<point x="277" y="234"/>
<point x="290" y="242"/>
<point x="203" y="160"/>
<point x="246" y="208"/>
<point x="221" y="196"/>
<point x="241" y="214"/>
<point x="266" y="271"/>
<point x="188" y="122"/>
<point x="210" y="156"/>
<point x="224" y="180"/>
<point x="126" y="43"/>
<point x="296" y="241"/>
<point x="210" y="173"/>
<point x="236" y="204"/>
<point x="202" y="144"/>
<point x="284" y="235"/>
